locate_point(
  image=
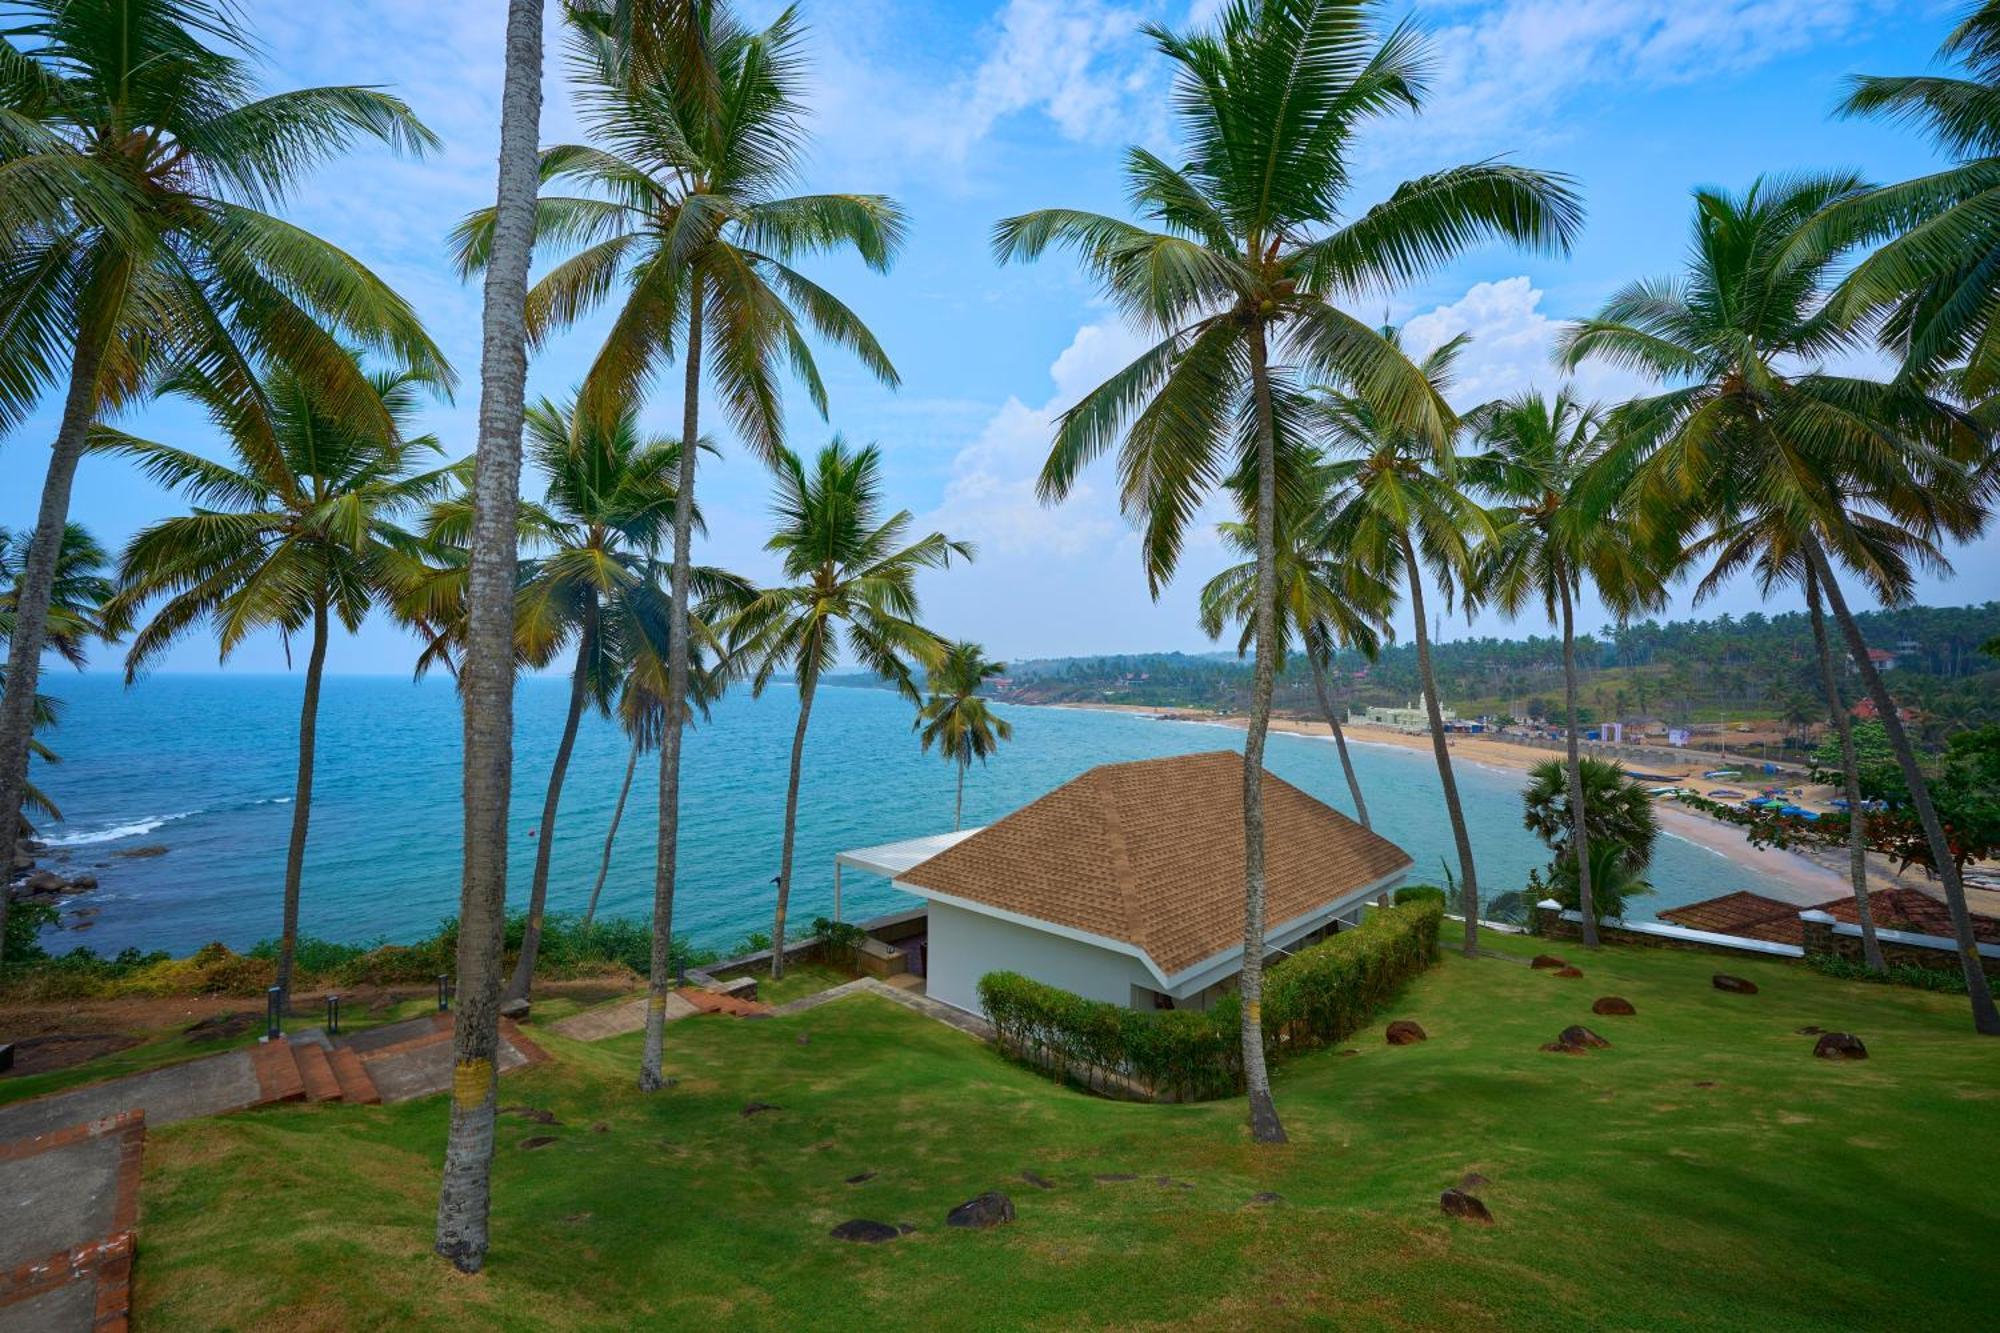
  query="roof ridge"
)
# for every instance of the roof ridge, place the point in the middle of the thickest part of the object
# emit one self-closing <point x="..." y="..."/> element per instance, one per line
<point x="1122" y="872"/>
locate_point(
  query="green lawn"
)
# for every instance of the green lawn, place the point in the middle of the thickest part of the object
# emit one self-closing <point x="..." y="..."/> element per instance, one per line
<point x="800" y="980"/>
<point x="1794" y="1193"/>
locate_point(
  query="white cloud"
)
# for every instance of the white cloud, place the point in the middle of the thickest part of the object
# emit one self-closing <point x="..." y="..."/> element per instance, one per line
<point x="1511" y="347"/>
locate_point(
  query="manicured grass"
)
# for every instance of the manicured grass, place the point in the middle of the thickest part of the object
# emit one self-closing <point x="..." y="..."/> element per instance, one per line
<point x="1794" y="1193"/>
<point x="800" y="980"/>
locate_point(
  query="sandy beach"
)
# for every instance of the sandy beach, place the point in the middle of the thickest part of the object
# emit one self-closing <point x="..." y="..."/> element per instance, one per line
<point x="1797" y="878"/>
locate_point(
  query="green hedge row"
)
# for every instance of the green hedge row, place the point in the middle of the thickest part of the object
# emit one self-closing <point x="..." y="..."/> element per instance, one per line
<point x="1320" y="994"/>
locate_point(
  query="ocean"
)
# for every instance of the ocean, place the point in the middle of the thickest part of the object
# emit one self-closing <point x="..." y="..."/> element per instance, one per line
<point x="203" y="765"/>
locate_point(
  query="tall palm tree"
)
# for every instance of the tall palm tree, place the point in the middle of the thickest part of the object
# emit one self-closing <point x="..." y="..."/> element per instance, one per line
<point x="681" y="205"/>
<point x="1784" y="466"/>
<point x="1561" y="525"/>
<point x="1934" y="276"/>
<point x="293" y="532"/>
<point x="79" y="611"/>
<point x="133" y="237"/>
<point x="1253" y="243"/>
<point x="852" y="581"/>
<point x="486" y="680"/>
<point x="956" y="719"/>
<point x="1325" y="601"/>
<point x="1398" y="508"/>
<point x="1850" y="778"/>
<point x="608" y="508"/>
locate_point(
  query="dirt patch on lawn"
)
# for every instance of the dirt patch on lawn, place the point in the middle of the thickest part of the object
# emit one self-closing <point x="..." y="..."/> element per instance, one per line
<point x="42" y="1055"/>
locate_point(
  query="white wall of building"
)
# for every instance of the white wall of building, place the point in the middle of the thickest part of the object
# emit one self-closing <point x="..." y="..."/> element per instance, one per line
<point x="964" y="946"/>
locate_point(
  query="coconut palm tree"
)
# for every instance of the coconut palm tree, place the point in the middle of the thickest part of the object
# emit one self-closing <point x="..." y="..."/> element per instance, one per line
<point x="1933" y="276"/>
<point x="486" y="679"/>
<point x="290" y="540"/>
<point x="681" y="204"/>
<point x="607" y="510"/>
<point x="1850" y="778"/>
<point x="1397" y="508"/>
<point x="956" y="719"/>
<point x="1325" y="601"/>
<point x="853" y="582"/>
<point x="1615" y="814"/>
<point x="139" y="163"/>
<point x="1561" y="526"/>
<point x="79" y="611"/>
<point x="1784" y="466"/>
<point x="1251" y="241"/>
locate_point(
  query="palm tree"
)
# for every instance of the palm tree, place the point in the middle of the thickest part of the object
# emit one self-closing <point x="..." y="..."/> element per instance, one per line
<point x="79" y="611"/>
<point x="1254" y="244"/>
<point x="956" y="719"/>
<point x="608" y="508"/>
<point x="134" y="238"/>
<point x="850" y="570"/>
<point x="1323" y="599"/>
<point x="486" y="680"/>
<point x="1614" y="811"/>
<point x="1785" y="466"/>
<point x="683" y="208"/>
<point x="1397" y="509"/>
<point x="1850" y="776"/>
<point x="1561" y="526"/>
<point x="292" y="533"/>
<point x="1933" y="277"/>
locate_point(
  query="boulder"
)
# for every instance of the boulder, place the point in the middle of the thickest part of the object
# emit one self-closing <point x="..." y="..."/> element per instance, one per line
<point x="860" y="1178"/>
<point x="44" y="881"/>
<point x="1403" y="1032"/>
<point x="1810" y="1030"/>
<point x="1562" y="1048"/>
<point x="864" y="1231"/>
<point x="1579" y="1035"/>
<point x="538" y="1141"/>
<point x="982" y="1212"/>
<point x="1459" y="1204"/>
<point x="1542" y="960"/>
<point x="83" y="883"/>
<point x="1569" y="971"/>
<point x="1266" y="1197"/>
<point x="757" y="1108"/>
<point x="1840" y="1046"/>
<point x="1472" y="1180"/>
<point x="515" y="1009"/>
<point x="1613" y="1005"/>
<point x="1734" y="985"/>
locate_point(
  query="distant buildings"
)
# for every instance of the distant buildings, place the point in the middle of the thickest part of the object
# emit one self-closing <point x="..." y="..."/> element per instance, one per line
<point x="1410" y="717"/>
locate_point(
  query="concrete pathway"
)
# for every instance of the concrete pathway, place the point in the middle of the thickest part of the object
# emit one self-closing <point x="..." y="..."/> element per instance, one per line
<point x="970" y="1024"/>
<point x="208" y="1086"/>
<point x="68" y="1202"/>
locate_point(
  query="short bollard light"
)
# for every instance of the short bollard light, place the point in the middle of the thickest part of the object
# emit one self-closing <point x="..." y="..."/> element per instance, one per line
<point x="444" y="991"/>
<point x="333" y="1015"/>
<point x="274" y="1004"/>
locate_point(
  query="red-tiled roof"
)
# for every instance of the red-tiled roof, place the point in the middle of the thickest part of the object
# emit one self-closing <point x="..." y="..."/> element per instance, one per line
<point x="1151" y="853"/>
<point x="1914" y="911"/>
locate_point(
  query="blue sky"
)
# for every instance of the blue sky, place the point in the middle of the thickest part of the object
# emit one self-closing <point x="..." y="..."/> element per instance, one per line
<point x="967" y="112"/>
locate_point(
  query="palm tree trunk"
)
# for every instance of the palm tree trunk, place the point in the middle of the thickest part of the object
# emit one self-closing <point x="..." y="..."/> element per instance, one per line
<point x="1985" y="1018"/>
<point x="1850" y="768"/>
<point x="1265" y="1127"/>
<point x="1340" y="744"/>
<point x="1468" y="878"/>
<point x="31" y="609"/>
<point x="1579" y="837"/>
<point x="958" y="806"/>
<point x="660" y="973"/>
<point x="302" y="794"/>
<point x="617" y="815"/>
<point x="806" y="687"/>
<point x="487" y="680"/>
<point x="538" y="892"/>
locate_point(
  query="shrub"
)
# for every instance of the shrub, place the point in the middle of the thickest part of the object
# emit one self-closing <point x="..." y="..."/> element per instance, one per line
<point x="838" y="940"/>
<point x="1420" y="893"/>
<point x="26" y="920"/>
<point x="1896" y="974"/>
<point x="1321" y="994"/>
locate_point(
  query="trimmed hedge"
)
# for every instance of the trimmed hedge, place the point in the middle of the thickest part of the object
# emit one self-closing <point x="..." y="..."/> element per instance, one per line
<point x="1319" y="995"/>
<point x="1421" y="893"/>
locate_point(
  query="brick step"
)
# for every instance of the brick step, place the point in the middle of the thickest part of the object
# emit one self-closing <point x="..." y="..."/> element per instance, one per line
<point x="321" y="1085"/>
<point x="277" y="1070"/>
<point x="356" y="1088"/>
<point x="715" y="1002"/>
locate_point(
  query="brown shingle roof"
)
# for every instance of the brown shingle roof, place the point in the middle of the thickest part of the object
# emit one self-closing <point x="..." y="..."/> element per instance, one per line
<point x="1753" y="916"/>
<point x="1151" y="853"/>
<point x="1745" y="915"/>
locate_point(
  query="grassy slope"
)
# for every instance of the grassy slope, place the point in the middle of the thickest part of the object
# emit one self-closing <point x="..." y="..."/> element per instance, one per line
<point x="1795" y="1193"/>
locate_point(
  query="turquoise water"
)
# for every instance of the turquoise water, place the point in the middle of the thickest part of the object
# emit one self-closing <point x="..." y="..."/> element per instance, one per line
<point x="204" y="766"/>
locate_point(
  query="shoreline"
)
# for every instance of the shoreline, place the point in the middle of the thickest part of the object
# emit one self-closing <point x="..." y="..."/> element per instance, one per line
<point x="1796" y="878"/>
